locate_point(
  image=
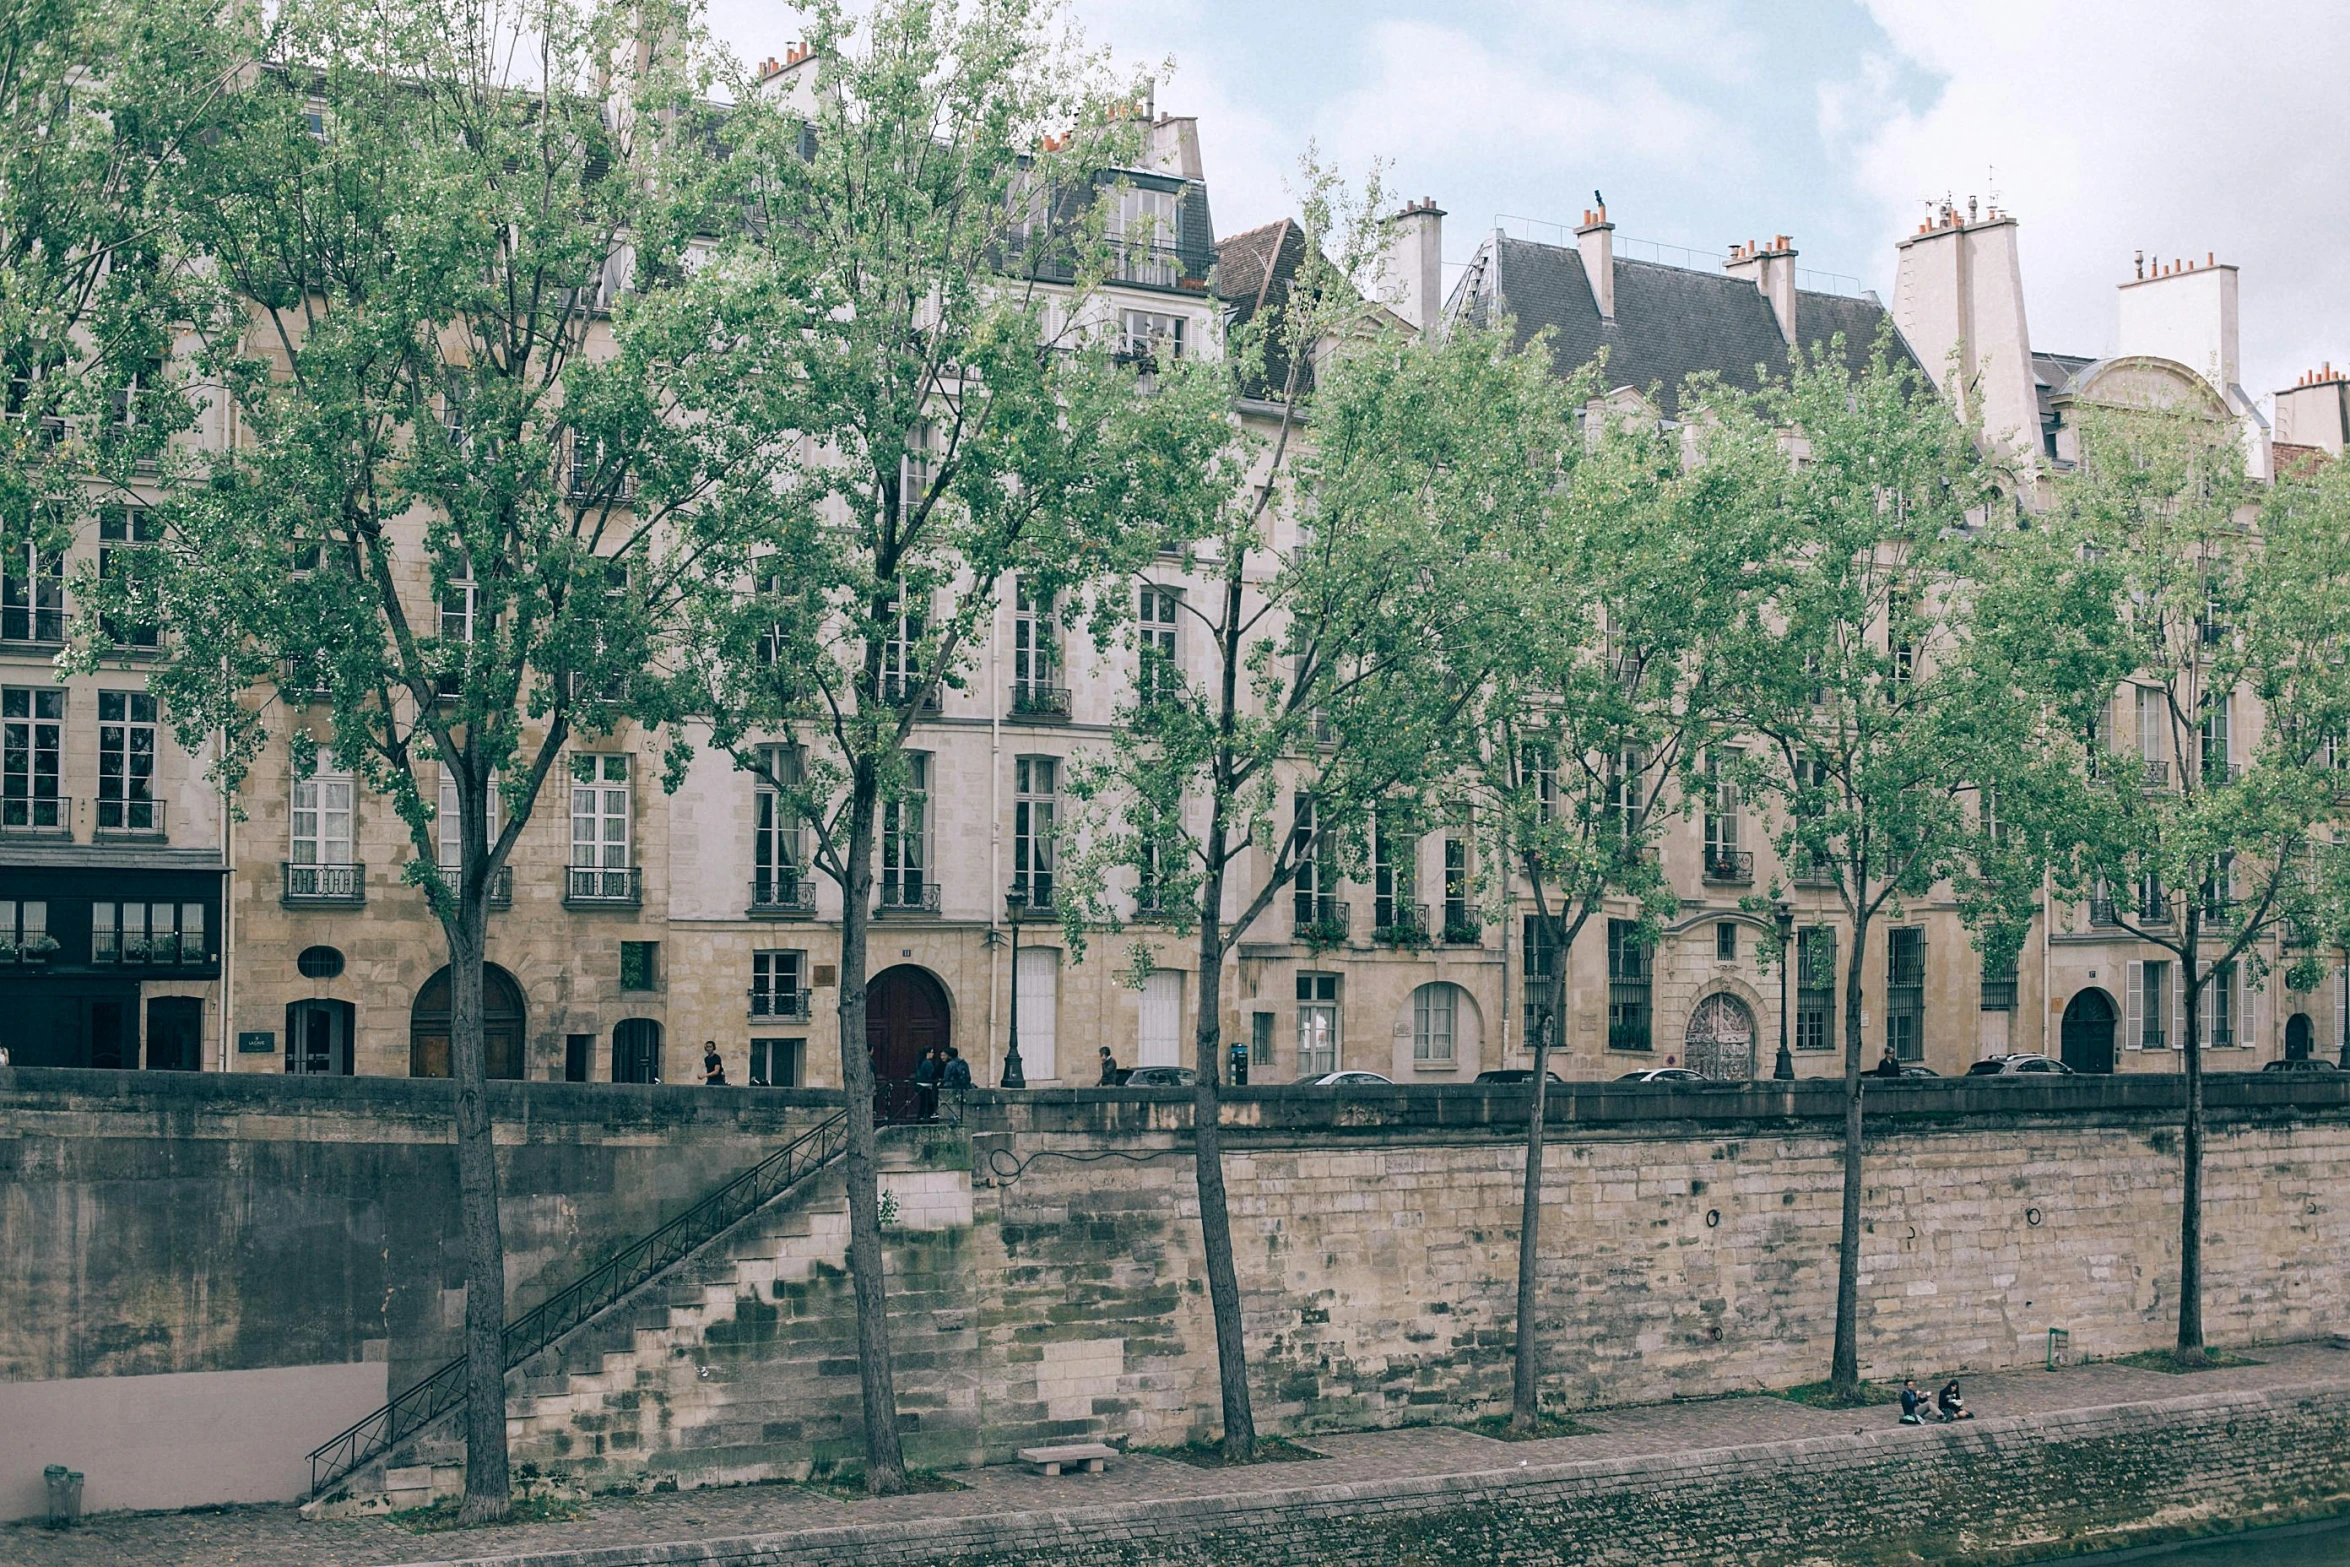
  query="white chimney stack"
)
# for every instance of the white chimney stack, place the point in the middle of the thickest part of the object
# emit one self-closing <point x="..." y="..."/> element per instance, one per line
<point x="1771" y="268"/>
<point x="1959" y="287"/>
<point x="1411" y="269"/>
<point x="1596" y="239"/>
<point x="2186" y="311"/>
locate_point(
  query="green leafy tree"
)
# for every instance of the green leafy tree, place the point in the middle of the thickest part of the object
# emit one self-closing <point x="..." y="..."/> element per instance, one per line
<point x="2203" y="823"/>
<point x="1852" y="667"/>
<point x="1332" y="658"/>
<point x="1616" y="572"/>
<point x="910" y="296"/>
<point x="448" y="539"/>
<point x="97" y="100"/>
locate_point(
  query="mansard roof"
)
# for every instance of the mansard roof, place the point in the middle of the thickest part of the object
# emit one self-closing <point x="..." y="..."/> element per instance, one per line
<point x="1670" y="322"/>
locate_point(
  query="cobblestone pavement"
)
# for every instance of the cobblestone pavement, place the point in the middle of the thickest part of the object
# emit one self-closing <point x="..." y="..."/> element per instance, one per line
<point x="276" y="1536"/>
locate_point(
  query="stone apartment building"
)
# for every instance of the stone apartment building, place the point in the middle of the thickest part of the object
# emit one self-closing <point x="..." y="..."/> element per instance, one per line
<point x="152" y="929"/>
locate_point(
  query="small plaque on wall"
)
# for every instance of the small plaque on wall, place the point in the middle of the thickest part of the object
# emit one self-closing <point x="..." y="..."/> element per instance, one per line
<point x="826" y="974"/>
<point x="257" y="1042"/>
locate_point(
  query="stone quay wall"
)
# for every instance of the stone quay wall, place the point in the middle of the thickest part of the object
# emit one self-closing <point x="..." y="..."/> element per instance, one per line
<point x="1045" y="1260"/>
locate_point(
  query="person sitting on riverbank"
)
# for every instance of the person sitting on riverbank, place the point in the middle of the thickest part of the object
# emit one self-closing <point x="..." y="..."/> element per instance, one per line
<point x="1912" y="1403"/>
<point x="1950" y="1405"/>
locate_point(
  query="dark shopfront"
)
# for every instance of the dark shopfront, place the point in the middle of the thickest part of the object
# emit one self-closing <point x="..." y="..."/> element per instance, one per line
<point x="82" y="948"/>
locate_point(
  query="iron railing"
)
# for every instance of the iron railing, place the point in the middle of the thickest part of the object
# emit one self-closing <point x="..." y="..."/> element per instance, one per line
<point x="602" y="886"/>
<point x="783" y="894"/>
<point x="907" y="896"/>
<point x="771" y="1002"/>
<point x="1037" y="699"/>
<point x="1728" y="864"/>
<point x="631" y="1266"/>
<point x="129" y="818"/>
<point x="1400" y="924"/>
<point x="344" y="884"/>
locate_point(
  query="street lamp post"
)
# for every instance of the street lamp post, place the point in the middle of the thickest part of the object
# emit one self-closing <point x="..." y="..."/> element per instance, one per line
<point x="1015" y="905"/>
<point x="1784" y="913"/>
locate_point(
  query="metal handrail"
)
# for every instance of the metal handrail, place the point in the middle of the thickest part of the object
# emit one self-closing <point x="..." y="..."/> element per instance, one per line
<point x="634" y="1264"/>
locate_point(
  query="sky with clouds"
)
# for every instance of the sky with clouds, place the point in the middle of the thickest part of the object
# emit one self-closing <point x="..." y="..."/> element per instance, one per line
<point x="2177" y="127"/>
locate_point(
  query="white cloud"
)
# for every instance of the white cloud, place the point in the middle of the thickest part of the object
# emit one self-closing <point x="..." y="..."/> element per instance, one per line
<point x="2178" y="127"/>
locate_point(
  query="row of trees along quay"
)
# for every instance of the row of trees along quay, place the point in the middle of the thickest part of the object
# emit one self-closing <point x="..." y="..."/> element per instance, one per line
<point x="498" y="379"/>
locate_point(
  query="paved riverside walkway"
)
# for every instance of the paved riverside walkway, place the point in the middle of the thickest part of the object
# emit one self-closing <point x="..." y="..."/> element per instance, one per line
<point x="615" y="1531"/>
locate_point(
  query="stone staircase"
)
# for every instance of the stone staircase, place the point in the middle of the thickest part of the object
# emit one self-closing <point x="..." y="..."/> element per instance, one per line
<point x="739" y="1361"/>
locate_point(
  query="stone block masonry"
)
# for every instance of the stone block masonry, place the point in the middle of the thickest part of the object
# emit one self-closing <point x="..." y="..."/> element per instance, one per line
<point x="1045" y="1277"/>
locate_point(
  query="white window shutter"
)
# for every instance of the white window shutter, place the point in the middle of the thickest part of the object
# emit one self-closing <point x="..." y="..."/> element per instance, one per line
<point x="2175" y="1025"/>
<point x="2133" y="990"/>
<point x="2256" y="1011"/>
<point x="2203" y="1010"/>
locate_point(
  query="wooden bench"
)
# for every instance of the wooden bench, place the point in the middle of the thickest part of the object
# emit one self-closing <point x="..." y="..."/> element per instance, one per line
<point x="1090" y="1456"/>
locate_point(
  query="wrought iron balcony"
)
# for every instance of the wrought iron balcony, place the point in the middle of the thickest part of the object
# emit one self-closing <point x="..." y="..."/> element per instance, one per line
<point x="2103" y="912"/>
<point x="602" y="886"/>
<point x="1400" y="924"/>
<point x="1463" y="930"/>
<point x="1730" y="865"/>
<point x="1813" y="873"/>
<point x="908" y="895"/>
<point x="37" y="813"/>
<point x="1035" y="699"/>
<point x="2154" y="776"/>
<point x="130" y="818"/>
<point x="329" y="885"/>
<point x="787" y="1005"/>
<point x="783" y="895"/>
<point x="1321" y="922"/>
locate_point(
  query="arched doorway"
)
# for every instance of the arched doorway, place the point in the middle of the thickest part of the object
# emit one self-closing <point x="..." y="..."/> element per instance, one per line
<point x="2088" y="1032"/>
<point x="2297" y="1037"/>
<point x="636" y="1051"/>
<point x="905" y="1014"/>
<point x="501" y="1026"/>
<point x="1720" y="1039"/>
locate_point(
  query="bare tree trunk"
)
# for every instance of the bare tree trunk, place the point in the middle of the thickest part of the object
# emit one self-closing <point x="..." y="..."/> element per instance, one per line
<point x="488" y="1493"/>
<point x="2190" y="1346"/>
<point x="1525" y="1382"/>
<point x="885" y="1462"/>
<point x="1844" y="1368"/>
<point x="1215" y="1217"/>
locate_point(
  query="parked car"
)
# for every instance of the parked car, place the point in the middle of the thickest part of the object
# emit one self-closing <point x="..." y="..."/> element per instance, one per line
<point x="1665" y="1074"/>
<point x="2019" y="1065"/>
<point x="1517" y="1074"/>
<point x="1915" y="1070"/>
<point x="2305" y="1064"/>
<point x="1161" y="1077"/>
<point x="1344" y="1080"/>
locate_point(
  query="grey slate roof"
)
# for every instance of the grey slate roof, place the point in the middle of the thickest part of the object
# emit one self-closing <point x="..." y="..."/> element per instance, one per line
<point x="1670" y="322"/>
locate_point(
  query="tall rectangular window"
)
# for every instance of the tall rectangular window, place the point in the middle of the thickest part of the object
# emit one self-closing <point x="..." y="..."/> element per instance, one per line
<point x="1317" y="1024"/>
<point x="1815" y="988"/>
<point x="2153" y="704"/>
<point x="778" y="848"/>
<point x="1905" y="992"/>
<point x="24" y="931"/>
<point x="600" y="865"/>
<point x="1541" y="962"/>
<point x="902" y="679"/>
<point x="2219" y="1007"/>
<point x="1434" y="1009"/>
<point x="1156" y="674"/>
<point x="2217" y="753"/>
<point x="1394" y="851"/>
<point x="32" y="596"/>
<point x="1144" y="226"/>
<point x="1460" y="921"/>
<point x="1722" y="827"/>
<point x="778" y="987"/>
<point x="775" y="1063"/>
<point x="125" y="533"/>
<point x="1628" y="988"/>
<point x="1624" y="796"/>
<point x="1999" y="984"/>
<point x="905" y="839"/>
<point x="1313" y="890"/>
<point x="321" y="817"/>
<point x="2153" y="1005"/>
<point x="1260" y="1039"/>
<point x="449" y="828"/>
<point x="1035" y="788"/>
<point x="1036" y="667"/>
<point x="126" y="762"/>
<point x="32" y="730"/>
